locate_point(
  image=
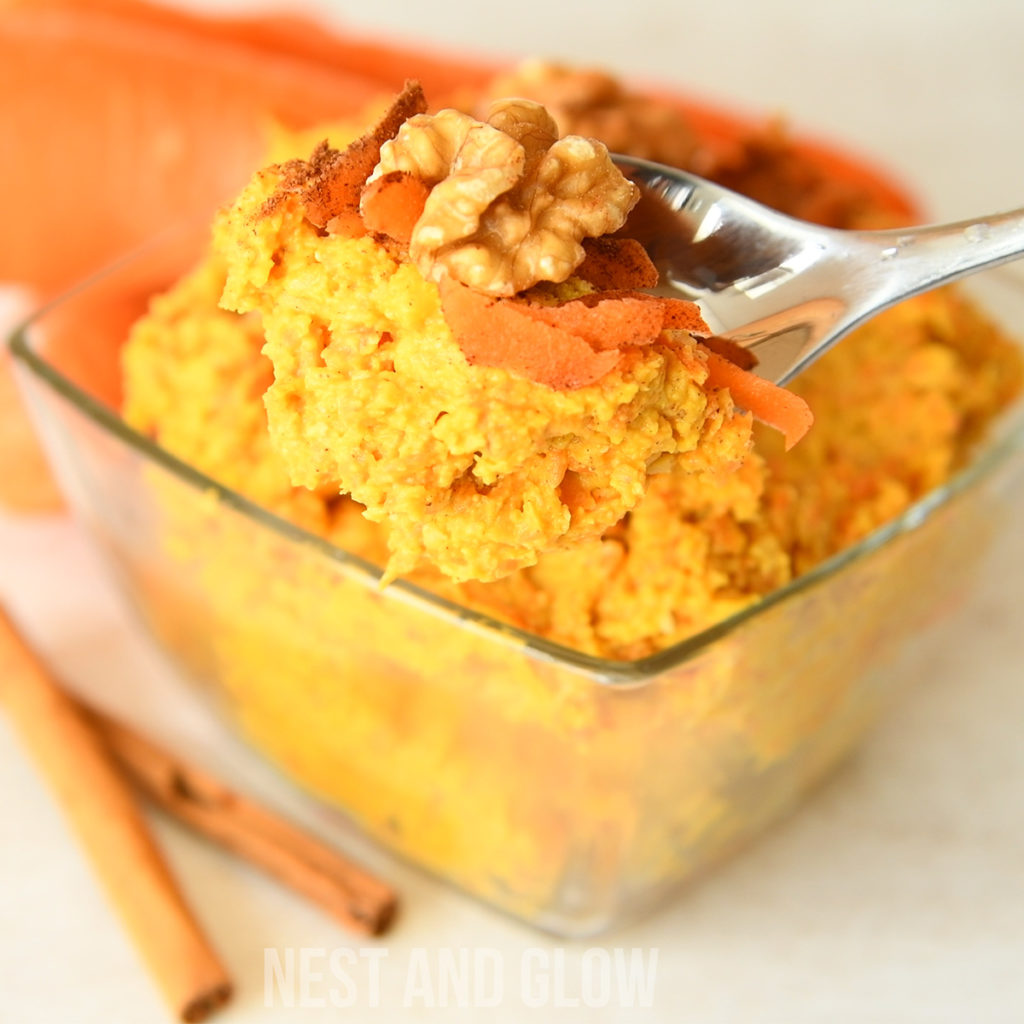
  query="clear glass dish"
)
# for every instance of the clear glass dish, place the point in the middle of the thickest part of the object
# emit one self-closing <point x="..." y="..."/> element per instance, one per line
<point x="568" y="790"/>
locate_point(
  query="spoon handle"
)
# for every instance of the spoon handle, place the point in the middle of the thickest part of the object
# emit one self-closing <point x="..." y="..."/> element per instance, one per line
<point x="909" y="262"/>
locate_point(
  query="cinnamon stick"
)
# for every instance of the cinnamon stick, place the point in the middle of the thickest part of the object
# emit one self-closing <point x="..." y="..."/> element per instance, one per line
<point x="101" y="808"/>
<point x="351" y="894"/>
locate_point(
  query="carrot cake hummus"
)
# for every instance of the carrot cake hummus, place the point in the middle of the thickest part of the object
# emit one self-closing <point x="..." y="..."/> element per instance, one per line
<point x="462" y="377"/>
<point x="594" y="483"/>
<point x="359" y="358"/>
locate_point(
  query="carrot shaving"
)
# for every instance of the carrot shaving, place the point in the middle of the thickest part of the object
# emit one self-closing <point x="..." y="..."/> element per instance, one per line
<point x="330" y="183"/>
<point x="617" y="263"/>
<point x="563" y="346"/>
<point x="676" y="314"/>
<point x="775" y="406"/>
<point x="735" y="353"/>
<point x="682" y="315"/>
<point x="613" y="324"/>
<point x="392" y="204"/>
<point x="494" y="332"/>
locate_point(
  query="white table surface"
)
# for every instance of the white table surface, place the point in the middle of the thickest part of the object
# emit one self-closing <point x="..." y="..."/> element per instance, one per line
<point x="896" y="894"/>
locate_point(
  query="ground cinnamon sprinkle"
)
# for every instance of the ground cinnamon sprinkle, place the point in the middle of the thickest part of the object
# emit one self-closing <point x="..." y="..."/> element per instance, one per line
<point x="331" y="181"/>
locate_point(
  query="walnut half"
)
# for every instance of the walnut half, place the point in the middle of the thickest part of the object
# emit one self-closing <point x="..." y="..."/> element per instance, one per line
<point x="510" y="202"/>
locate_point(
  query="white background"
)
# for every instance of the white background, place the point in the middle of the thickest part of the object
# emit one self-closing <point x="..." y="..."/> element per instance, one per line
<point x="896" y="894"/>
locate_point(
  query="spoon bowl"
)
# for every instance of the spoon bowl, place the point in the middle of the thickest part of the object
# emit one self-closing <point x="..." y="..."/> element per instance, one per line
<point x="785" y="289"/>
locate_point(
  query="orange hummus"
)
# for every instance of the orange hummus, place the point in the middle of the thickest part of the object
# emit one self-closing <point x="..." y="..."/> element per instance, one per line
<point x="617" y="518"/>
<point x="678" y="513"/>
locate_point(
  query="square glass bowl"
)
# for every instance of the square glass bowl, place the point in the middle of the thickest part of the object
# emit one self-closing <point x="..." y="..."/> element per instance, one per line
<point x="565" y="789"/>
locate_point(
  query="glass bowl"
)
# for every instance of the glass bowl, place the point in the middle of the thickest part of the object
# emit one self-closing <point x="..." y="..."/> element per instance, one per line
<point x="568" y="790"/>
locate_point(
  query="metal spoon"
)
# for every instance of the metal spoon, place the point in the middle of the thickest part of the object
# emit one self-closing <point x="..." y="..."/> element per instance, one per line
<point x="785" y="289"/>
